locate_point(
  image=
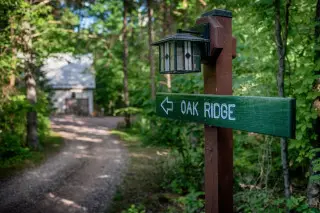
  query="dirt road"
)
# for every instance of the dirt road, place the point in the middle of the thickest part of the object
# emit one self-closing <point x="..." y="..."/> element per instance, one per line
<point x="82" y="178"/>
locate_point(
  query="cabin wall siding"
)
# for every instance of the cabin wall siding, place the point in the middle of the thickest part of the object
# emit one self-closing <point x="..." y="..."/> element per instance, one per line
<point x="59" y="98"/>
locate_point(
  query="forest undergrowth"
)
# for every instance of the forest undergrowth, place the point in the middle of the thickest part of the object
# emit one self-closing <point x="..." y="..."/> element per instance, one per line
<point x="169" y="177"/>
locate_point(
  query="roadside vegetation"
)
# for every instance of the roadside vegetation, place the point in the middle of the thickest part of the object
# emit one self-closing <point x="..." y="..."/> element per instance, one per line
<point x="147" y="184"/>
<point x="28" y="158"/>
<point x="26" y="39"/>
<point x="141" y="184"/>
<point x="170" y="177"/>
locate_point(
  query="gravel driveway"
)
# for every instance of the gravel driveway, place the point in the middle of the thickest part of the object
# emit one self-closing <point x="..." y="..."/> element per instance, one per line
<point x="81" y="178"/>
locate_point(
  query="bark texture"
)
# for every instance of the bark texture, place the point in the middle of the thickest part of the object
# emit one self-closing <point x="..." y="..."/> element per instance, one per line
<point x="281" y="43"/>
<point x="31" y="92"/>
<point x="12" y="78"/>
<point x="166" y="29"/>
<point x="125" y="62"/>
<point x="151" y="59"/>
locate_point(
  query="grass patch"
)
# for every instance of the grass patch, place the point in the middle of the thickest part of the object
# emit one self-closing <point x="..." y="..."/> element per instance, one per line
<point x="141" y="186"/>
<point x="29" y="159"/>
<point x="127" y="136"/>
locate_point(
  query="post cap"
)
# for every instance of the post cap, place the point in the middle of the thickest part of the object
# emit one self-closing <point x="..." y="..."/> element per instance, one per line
<point x="218" y="12"/>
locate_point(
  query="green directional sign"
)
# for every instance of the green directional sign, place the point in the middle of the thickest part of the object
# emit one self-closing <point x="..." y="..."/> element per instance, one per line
<point x="265" y="115"/>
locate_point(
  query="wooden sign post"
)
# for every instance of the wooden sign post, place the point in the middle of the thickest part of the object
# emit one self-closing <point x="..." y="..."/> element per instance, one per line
<point x="221" y="112"/>
<point x="217" y="75"/>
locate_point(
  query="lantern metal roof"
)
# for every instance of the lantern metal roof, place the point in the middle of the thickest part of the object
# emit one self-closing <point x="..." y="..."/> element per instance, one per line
<point x="180" y="37"/>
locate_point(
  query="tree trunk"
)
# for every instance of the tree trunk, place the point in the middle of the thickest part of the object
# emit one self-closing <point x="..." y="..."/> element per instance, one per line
<point x="285" y="167"/>
<point x="125" y="62"/>
<point x="151" y="59"/>
<point x="281" y="44"/>
<point x="166" y="27"/>
<point x="185" y="13"/>
<point x="12" y="78"/>
<point x="313" y="190"/>
<point x="32" y="132"/>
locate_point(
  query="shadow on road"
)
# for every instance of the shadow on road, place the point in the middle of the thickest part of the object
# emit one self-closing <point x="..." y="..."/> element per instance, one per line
<point x="82" y="178"/>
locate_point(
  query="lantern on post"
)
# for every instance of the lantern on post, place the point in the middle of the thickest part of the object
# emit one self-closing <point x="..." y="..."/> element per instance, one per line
<point x="181" y="53"/>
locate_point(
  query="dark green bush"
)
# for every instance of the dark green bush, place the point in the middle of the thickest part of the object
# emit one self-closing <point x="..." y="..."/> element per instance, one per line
<point x="13" y="125"/>
<point x="184" y="174"/>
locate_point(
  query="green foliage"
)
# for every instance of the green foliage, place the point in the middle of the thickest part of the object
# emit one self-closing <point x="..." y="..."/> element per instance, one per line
<point x="27" y="158"/>
<point x="192" y="202"/>
<point x="315" y="177"/>
<point x="135" y="209"/>
<point x="257" y="160"/>
<point x="19" y="20"/>
<point x="299" y="204"/>
<point x="127" y="110"/>
<point x="7" y="6"/>
<point x="260" y="200"/>
<point x="12" y="127"/>
<point x="183" y="173"/>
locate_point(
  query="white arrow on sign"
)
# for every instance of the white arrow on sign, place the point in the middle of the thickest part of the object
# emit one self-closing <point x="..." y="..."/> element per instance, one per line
<point x="166" y="110"/>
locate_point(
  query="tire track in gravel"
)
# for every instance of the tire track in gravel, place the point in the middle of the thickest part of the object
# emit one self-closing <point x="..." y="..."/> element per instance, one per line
<point x="82" y="178"/>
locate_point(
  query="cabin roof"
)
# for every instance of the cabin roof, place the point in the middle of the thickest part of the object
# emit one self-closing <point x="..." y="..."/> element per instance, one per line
<point x="66" y="71"/>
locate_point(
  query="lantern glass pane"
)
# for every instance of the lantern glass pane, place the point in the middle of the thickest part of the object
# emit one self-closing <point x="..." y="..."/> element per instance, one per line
<point x="161" y="58"/>
<point x="172" y="56"/>
<point x="187" y="55"/>
<point x="166" y="56"/>
<point x="196" y="56"/>
<point x="180" y="66"/>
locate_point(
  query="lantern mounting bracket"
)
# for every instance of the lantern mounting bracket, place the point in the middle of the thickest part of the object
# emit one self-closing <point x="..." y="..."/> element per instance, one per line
<point x="188" y="31"/>
<point x="203" y="30"/>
